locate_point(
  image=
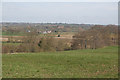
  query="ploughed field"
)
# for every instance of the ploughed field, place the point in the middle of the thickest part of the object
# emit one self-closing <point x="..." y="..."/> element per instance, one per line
<point x="99" y="63"/>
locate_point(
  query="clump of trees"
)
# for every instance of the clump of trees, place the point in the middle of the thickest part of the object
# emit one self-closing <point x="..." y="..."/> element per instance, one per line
<point x="96" y="37"/>
<point x="32" y="42"/>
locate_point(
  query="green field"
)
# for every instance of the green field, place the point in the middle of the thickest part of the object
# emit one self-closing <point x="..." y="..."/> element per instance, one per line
<point x="12" y="34"/>
<point x="100" y="63"/>
<point x="5" y="43"/>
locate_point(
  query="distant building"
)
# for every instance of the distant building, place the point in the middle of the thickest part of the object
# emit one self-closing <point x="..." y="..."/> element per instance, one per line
<point x="45" y="32"/>
<point x="28" y="31"/>
<point x="49" y="31"/>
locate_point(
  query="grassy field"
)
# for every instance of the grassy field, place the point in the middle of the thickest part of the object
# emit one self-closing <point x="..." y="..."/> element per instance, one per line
<point x="5" y="43"/>
<point x="100" y="63"/>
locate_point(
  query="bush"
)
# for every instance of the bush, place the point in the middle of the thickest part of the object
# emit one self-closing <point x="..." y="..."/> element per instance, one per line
<point x="7" y="48"/>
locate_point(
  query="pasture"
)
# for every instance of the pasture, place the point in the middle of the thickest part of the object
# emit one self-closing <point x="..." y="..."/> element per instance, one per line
<point x="99" y="63"/>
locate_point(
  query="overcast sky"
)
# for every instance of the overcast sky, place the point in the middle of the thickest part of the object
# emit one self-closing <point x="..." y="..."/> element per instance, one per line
<point x="59" y="0"/>
<point x="61" y="12"/>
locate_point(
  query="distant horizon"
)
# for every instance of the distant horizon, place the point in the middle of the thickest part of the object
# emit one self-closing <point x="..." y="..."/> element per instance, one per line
<point x="58" y="23"/>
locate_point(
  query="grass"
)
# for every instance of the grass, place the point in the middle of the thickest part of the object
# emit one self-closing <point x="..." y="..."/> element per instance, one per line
<point x="12" y="34"/>
<point x="6" y="43"/>
<point x="100" y="63"/>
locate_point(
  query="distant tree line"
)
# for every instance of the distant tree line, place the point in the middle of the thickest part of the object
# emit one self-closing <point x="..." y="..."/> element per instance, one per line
<point x="96" y="37"/>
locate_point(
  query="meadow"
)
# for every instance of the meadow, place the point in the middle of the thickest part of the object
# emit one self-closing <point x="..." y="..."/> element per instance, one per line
<point x="99" y="63"/>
